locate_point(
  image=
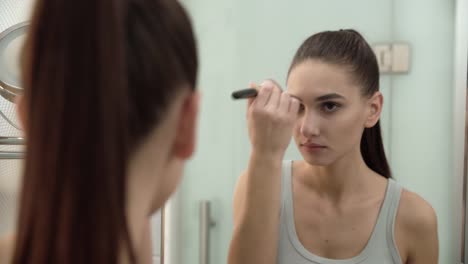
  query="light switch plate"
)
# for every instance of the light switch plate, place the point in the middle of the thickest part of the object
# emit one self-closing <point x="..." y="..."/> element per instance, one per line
<point x="393" y="57"/>
<point x="400" y="58"/>
<point x="383" y="52"/>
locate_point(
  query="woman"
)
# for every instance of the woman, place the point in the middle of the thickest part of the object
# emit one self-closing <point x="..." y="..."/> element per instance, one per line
<point x="339" y="204"/>
<point x="109" y="112"/>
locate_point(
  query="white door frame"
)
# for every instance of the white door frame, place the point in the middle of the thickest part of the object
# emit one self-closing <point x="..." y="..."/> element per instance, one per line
<point x="459" y="112"/>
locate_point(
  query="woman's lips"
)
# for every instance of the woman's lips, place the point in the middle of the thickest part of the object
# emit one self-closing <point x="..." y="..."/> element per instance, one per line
<point x="313" y="146"/>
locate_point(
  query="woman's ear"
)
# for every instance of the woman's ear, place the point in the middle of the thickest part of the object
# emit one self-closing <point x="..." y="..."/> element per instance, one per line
<point x="375" y="104"/>
<point x="21" y="111"/>
<point x="185" y="140"/>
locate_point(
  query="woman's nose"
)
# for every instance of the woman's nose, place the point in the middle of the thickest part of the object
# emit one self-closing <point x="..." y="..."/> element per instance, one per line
<point x="310" y="126"/>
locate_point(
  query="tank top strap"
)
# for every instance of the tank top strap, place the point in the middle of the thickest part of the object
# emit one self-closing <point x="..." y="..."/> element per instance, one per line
<point x="394" y="193"/>
<point x="389" y="207"/>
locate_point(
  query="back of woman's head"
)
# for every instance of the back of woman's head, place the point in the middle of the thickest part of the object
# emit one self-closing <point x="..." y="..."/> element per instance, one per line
<point x="98" y="77"/>
<point x="347" y="48"/>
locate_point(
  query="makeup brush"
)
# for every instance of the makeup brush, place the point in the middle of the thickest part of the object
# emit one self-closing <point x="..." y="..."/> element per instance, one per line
<point x="245" y="93"/>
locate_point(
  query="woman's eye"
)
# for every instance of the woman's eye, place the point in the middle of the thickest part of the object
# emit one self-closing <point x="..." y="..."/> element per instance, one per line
<point x="330" y="107"/>
<point x="301" y="108"/>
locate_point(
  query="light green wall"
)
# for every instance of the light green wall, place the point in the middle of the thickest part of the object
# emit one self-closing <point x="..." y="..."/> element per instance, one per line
<point x="421" y="127"/>
<point x="242" y="41"/>
<point x="210" y="175"/>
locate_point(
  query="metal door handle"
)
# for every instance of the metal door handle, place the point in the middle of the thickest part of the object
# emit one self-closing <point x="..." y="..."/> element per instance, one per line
<point x="205" y="224"/>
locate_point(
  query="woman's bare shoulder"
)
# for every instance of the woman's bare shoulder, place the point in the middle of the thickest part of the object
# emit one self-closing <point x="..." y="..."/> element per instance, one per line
<point x="416" y="214"/>
<point x="416" y="228"/>
<point x="6" y="248"/>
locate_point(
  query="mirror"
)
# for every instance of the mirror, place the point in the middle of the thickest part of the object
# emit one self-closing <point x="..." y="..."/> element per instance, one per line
<point x="13" y="27"/>
<point x="242" y="41"/>
<point x="11" y="42"/>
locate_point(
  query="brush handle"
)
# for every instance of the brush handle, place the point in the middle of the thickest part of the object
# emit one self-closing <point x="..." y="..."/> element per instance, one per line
<point x="245" y="93"/>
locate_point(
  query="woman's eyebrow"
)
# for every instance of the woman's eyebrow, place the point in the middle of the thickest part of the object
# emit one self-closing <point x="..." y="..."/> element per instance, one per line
<point x="329" y="97"/>
<point x="325" y="97"/>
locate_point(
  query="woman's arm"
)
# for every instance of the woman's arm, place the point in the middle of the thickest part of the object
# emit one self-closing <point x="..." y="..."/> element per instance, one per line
<point x="256" y="212"/>
<point x="257" y="200"/>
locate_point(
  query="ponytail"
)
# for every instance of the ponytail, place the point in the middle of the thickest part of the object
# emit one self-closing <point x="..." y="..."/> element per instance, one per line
<point x="373" y="153"/>
<point x="98" y="76"/>
<point x="72" y="203"/>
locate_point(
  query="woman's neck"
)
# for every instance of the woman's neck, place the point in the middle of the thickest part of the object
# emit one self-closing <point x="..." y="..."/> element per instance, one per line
<point x="140" y="202"/>
<point x="147" y="190"/>
<point x="342" y="179"/>
<point x="139" y="229"/>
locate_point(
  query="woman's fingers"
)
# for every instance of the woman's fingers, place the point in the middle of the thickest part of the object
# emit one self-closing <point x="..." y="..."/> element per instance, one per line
<point x="285" y="102"/>
<point x="275" y="96"/>
<point x="294" y="106"/>
<point x="252" y="99"/>
<point x="263" y="96"/>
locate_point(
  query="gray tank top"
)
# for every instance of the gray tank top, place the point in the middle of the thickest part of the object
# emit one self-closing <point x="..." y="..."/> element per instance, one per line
<point x="381" y="247"/>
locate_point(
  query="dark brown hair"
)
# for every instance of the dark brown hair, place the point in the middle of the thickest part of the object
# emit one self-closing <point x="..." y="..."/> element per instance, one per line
<point x="349" y="49"/>
<point x="98" y="76"/>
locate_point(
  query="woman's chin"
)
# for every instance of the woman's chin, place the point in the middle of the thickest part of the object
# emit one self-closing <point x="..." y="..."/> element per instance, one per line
<point x="317" y="160"/>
